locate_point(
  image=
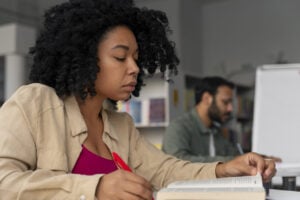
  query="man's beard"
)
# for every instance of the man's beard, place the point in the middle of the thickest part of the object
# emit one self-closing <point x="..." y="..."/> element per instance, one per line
<point x="215" y="114"/>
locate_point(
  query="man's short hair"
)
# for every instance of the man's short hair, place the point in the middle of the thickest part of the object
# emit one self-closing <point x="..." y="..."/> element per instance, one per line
<point x="211" y="85"/>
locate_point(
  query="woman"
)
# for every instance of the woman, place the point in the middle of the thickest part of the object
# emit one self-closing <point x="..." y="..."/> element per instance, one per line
<point x="57" y="137"/>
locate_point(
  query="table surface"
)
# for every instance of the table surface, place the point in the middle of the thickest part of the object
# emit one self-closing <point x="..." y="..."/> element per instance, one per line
<point x="283" y="195"/>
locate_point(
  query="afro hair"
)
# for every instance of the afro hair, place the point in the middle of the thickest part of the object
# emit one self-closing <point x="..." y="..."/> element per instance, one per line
<point x="65" y="53"/>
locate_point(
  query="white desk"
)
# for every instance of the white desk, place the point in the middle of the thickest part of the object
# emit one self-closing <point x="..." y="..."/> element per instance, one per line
<point x="283" y="195"/>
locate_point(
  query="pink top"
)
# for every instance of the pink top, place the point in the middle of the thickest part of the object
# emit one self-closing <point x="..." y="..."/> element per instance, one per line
<point x="89" y="163"/>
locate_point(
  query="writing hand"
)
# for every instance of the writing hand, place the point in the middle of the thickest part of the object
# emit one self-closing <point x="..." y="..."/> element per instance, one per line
<point x="122" y="184"/>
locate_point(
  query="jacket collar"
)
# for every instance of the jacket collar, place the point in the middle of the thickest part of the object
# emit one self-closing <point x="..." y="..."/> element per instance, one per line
<point x="108" y="127"/>
<point x="77" y="123"/>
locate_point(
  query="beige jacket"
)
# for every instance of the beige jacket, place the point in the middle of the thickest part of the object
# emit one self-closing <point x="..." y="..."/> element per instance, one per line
<point x="40" y="141"/>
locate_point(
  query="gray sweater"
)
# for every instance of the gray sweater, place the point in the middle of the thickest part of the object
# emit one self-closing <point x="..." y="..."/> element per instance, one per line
<point x="187" y="138"/>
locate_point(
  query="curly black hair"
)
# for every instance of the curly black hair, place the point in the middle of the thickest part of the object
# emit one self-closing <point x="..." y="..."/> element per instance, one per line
<point x="65" y="53"/>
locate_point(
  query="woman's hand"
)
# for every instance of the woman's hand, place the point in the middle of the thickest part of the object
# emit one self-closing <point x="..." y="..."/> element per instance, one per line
<point x="122" y="184"/>
<point x="247" y="164"/>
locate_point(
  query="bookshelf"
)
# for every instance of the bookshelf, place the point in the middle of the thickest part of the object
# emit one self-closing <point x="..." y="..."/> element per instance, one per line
<point x="153" y="115"/>
<point x="146" y="112"/>
<point x="243" y="116"/>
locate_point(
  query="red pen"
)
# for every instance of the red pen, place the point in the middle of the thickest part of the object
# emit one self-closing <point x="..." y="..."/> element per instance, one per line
<point x="120" y="163"/>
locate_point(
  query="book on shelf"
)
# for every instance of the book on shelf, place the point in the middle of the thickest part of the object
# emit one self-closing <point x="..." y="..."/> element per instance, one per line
<point x="245" y="107"/>
<point x="145" y="112"/>
<point x="138" y="109"/>
<point x="132" y="107"/>
<point x="229" y="188"/>
<point x="157" y="110"/>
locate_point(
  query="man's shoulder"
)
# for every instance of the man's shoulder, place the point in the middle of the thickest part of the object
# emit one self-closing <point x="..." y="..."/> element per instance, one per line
<point x="187" y="116"/>
<point x="186" y="119"/>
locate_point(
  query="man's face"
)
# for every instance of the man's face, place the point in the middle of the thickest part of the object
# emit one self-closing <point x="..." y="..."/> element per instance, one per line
<point x="221" y="107"/>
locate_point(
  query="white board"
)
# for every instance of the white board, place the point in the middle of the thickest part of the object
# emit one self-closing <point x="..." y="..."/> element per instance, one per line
<point x="276" y="126"/>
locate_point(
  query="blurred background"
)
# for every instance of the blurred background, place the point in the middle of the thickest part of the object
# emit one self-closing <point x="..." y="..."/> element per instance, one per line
<point x="229" y="38"/>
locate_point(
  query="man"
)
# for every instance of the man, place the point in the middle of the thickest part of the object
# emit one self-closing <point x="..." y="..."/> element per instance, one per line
<point x="196" y="135"/>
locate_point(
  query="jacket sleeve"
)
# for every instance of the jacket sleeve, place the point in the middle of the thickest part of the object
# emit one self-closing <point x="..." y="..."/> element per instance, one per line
<point x="20" y="178"/>
<point x="161" y="169"/>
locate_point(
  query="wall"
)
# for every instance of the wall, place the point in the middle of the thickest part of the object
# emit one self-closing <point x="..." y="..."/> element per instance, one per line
<point x="253" y="32"/>
<point x="216" y="36"/>
<point x="21" y="11"/>
<point x="191" y="36"/>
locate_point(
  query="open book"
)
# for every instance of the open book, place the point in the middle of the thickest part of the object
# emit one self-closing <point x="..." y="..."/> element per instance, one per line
<point x="232" y="188"/>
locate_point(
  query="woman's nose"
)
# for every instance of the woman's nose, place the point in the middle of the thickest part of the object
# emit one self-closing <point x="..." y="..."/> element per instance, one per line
<point x="134" y="68"/>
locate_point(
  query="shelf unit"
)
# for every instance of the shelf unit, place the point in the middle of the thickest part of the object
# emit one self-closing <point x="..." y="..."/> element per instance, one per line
<point x="156" y="87"/>
<point x="243" y="116"/>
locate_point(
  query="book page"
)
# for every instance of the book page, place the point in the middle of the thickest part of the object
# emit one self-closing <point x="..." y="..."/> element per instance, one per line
<point x="233" y="182"/>
<point x="212" y="189"/>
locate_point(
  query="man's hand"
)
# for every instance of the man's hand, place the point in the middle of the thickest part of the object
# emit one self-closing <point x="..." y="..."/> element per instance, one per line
<point x="247" y="164"/>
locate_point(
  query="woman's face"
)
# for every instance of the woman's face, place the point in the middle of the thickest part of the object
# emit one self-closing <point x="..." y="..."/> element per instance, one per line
<point x="118" y="54"/>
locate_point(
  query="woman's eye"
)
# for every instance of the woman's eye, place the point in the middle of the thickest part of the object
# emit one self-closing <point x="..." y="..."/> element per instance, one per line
<point x="120" y="59"/>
